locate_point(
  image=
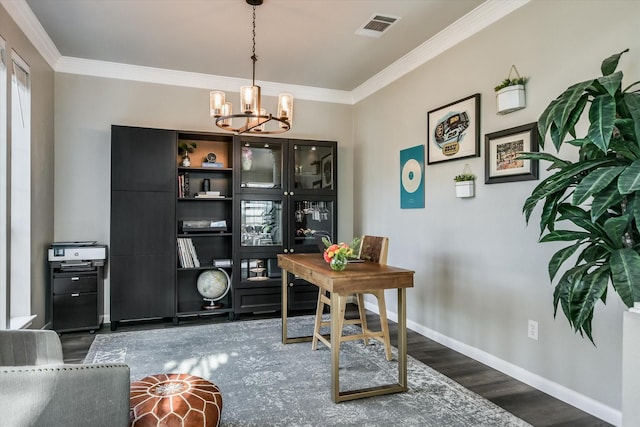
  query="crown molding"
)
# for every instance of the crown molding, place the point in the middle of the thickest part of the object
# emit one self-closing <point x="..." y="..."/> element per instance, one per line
<point x="23" y="16"/>
<point x="114" y="70"/>
<point x="481" y="17"/>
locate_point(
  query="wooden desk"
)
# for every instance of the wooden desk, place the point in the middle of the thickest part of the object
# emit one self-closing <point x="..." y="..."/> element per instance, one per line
<point x="358" y="277"/>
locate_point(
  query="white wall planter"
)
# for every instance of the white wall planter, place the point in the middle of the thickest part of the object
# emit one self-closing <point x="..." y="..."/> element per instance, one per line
<point x="465" y="189"/>
<point x="510" y="99"/>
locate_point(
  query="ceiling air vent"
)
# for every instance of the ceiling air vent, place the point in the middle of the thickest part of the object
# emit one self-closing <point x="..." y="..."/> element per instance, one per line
<point x="377" y="25"/>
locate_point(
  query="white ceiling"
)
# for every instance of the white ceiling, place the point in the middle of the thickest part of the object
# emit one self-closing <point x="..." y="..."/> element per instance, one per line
<point x="310" y="43"/>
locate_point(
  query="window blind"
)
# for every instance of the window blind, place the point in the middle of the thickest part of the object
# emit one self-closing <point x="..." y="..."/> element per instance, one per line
<point x="21" y="81"/>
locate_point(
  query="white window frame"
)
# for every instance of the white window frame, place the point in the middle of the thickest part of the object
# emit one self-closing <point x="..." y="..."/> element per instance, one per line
<point x="20" y="195"/>
<point x="4" y="255"/>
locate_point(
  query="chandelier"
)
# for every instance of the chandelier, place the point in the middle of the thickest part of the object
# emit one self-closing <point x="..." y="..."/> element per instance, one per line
<point x="255" y="117"/>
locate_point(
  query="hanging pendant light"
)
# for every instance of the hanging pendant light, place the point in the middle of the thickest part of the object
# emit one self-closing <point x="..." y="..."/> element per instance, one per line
<point x="255" y="117"/>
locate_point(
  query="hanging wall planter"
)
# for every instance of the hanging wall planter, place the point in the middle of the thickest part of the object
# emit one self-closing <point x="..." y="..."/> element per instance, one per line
<point x="465" y="183"/>
<point x="465" y="189"/>
<point x="510" y="94"/>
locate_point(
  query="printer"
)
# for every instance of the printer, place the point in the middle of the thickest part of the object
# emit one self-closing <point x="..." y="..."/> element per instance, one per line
<point x="76" y="255"/>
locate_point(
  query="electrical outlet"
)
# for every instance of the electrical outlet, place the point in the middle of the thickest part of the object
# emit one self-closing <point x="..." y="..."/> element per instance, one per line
<point x="533" y="330"/>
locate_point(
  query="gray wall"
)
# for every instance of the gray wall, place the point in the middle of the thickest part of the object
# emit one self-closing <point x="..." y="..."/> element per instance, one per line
<point x="480" y="273"/>
<point x="42" y="153"/>
<point x="86" y="107"/>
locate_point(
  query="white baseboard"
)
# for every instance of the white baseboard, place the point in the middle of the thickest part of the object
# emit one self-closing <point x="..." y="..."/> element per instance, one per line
<point x="560" y="392"/>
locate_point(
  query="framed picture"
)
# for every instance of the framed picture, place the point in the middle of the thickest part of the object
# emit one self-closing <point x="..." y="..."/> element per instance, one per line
<point x="327" y="171"/>
<point x="412" y="177"/>
<point x="454" y="130"/>
<point x="501" y="154"/>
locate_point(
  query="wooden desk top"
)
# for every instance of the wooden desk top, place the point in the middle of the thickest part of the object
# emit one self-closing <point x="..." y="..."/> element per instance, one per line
<point x="357" y="277"/>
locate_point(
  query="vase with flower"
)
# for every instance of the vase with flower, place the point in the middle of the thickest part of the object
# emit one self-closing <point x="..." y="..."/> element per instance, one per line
<point x="338" y="254"/>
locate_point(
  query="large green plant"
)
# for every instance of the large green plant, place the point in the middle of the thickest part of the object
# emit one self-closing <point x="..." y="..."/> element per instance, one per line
<point x="593" y="202"/>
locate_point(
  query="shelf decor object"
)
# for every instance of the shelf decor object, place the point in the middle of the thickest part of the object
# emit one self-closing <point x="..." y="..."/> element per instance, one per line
<point x="454" y="130"/>
<point x="510" y="93"/>
<point x="213" y="285"/>
<point x="502" y="150"/>
<point x="465" y="183"/>
<point x="255" y="117"/>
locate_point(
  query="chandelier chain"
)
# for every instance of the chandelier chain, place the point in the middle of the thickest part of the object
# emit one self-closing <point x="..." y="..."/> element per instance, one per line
<point x="254" y="58"/>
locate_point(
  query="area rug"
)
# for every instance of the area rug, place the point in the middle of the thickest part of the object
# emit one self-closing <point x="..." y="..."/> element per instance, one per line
<point x="265" y="383"/>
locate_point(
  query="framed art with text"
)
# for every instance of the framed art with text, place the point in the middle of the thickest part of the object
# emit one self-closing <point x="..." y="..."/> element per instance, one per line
<point x="454" y="130"/>
<point x="412" y="177"/>
<point x="501" y="154"/>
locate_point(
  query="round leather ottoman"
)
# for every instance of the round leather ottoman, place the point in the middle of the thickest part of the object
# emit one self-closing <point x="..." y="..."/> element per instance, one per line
<point x="175" y="400"/>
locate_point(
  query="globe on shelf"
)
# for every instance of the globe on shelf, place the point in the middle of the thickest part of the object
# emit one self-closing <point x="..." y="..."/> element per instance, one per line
<point x="213" y="285"/>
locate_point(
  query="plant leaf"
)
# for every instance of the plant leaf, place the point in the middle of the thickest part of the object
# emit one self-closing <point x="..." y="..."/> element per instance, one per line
<point x="625" y="147"/>
<point x="611" y="83"/>
<point x="615" y="227"/>
<point x="594" y="252"/>
<point x="633" y="105"/>
<point x="625" y="275"/>
<point x="563" y="112"/>
<point x="579" y="217"/>
<point x="597" y="180"/>
<point x="559" y="258"/>
<point x="555" y="161"/>
<point x="629" y="180"/>
<point x="545" y="120"/>
<point x="586" y="293"/>
<point x="549" y="212"/>
<point x="610" y="64"/>
<point x="602" y="116"/>
<point x="604" y="200"/>
<point x="564" y="236"/>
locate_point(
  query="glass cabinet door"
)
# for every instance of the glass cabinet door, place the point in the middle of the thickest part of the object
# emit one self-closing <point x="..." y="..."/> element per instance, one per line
<point x="261" y="223"/>
<point x="261" y="165"/>
<point x="312" y="219"/>
<point x="313" y="166"/>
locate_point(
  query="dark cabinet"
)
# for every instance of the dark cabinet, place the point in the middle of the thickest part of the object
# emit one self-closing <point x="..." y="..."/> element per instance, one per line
<point x="285" y="196"/>
<point x="76" y="298"/>
<point x="225" y="214"/>
<point x="143" y="256"/>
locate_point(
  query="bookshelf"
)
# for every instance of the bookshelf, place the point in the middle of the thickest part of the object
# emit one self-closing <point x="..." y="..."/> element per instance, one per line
<point x="204" y="220"/>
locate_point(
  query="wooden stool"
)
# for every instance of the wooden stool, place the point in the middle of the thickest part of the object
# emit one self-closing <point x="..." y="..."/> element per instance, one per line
<point x="175" y="400"/>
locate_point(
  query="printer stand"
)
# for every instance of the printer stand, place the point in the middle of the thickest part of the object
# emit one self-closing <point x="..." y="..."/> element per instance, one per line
<point x="77" y="299"/>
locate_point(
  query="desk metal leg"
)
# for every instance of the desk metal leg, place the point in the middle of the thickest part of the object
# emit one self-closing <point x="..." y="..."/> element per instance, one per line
<point x="335" y="346"/>
<point x="400" y="386"/>
<point x="285" y="306"/>
<point x="402" y="338"/>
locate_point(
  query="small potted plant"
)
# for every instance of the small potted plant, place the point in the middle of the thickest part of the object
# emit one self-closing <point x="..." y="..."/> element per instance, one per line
<point x="510" y="93"/>
<point x="465" y="184"/>
<point x="184" y="149"/>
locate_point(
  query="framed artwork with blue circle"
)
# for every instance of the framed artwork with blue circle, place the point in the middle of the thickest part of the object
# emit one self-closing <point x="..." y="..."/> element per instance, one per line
<point x="412" y="177"/>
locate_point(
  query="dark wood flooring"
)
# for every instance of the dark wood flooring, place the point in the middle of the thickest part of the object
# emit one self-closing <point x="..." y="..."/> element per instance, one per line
<point x="533" y="406"/>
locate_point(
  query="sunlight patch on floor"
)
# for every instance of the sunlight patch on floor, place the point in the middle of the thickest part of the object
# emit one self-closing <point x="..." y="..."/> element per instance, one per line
<point x="201" y="366"/>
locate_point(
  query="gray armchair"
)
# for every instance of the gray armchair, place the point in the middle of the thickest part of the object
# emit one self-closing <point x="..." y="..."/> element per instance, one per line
<point x="38" y="389"/>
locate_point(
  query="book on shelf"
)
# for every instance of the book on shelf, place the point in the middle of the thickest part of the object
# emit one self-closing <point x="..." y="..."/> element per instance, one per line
<point x="181" y="254"/>
<point x="187" y="254"/>
<point x="186" y="184"/>
<point x="192" y="252"/>
<point x="212" y="165"/>
<point x="208" y="193"/>
<point x="208" y="196"/>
